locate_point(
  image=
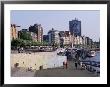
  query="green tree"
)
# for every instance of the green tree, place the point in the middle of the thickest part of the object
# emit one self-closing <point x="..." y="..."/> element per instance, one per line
<point x="18" y="42"/>
<point x="34" y="43"/>
<point x="44" y="43"/>
<point x="38" y="43"/>
<point x="25" y="36"/>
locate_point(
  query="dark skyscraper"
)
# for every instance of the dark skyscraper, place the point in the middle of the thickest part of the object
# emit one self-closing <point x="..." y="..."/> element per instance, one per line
<point x="75" y="27"/>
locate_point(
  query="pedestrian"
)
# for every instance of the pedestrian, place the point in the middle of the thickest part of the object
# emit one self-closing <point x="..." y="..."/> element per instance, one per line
<point x="76" y="65"/>
<point x="67" y="54"/>
<point x="76" y="56"/>
<point x="80" y="65"/>
<point x="66" y="65"/>
<point x="18" y="50"/>
<point x="22" y="49"/>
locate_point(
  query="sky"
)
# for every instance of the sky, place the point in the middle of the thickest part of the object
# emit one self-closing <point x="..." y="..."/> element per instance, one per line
<point x="59" y="20"/>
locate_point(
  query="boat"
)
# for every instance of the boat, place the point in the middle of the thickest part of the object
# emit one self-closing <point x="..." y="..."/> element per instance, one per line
<point x="91" y="54"/>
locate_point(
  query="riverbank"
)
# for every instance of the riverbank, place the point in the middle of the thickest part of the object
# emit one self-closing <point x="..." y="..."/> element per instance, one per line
<point x="37" y="60"/>
<point x="52" y="66"/>
<point x="54" y="72"/>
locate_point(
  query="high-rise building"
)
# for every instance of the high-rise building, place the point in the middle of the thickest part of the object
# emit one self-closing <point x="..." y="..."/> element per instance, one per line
<point x="14" y="33"/>
<point x="75" y="27"/>
<point x="53" y="37"/>
<point x="37" y="28"/>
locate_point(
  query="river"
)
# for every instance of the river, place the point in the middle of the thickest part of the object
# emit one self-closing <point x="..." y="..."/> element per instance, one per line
<point x="95" y="58"/>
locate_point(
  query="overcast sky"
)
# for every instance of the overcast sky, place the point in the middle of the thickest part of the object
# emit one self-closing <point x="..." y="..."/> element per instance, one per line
<point x="59" y="20"/>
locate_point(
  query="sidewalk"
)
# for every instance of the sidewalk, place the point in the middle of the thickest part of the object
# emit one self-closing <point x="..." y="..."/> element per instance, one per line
<point x="69" y="72"/>
<point x="21" y="72"/>
<point x="53" y="72"/>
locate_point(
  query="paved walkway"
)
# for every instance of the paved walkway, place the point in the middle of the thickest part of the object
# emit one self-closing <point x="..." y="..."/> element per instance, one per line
<point x="61" y="72"/>
<point x="22" y="72"/>
<point x="53" y="72"/>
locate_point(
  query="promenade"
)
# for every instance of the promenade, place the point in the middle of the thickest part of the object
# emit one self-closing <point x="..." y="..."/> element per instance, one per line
<point x="54" y="72"/>
<point x="53" y="66"/>
<point x="71" y="71"/>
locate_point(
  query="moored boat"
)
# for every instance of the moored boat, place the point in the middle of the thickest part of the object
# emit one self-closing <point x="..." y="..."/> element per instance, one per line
<point x="91" y="54"/>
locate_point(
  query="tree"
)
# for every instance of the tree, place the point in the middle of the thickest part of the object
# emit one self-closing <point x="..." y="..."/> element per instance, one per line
<point x="44" y="43"/>
<point x="18" y="43"/>
<point x="25" y="36"/>
<point x="34" y="43"/>
<point x="38" y="43"/>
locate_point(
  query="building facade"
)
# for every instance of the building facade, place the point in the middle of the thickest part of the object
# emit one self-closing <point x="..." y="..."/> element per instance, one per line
<point x="88" y="42"/>
<point x="53" y="37"/>
<point x="34" y="36"/>
<point x="38" y="30"/>
<point x="67" y="37"/>
<point x="14" y="32"/>
<point x="78" y="40"/>
<point x="83" y="40"/>
<point x="75" y="27"/>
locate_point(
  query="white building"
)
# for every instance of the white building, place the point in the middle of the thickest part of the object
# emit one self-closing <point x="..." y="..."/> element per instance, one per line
<point x="81" y="40"/>
<point x="67" y="37"/>
<point x="84" y="40"/>
<point x="54" y="37"/>
<point x="78" y="40"/>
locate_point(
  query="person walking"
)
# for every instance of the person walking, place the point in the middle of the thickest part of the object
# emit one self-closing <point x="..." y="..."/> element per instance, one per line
<point x="77" y="56"/>
<point x="76" y="65"/>
<point x="18" y="49"/>
<point x="67" y="53"/>
<point x="81" y="65"/>
<point x="65" y="65"/>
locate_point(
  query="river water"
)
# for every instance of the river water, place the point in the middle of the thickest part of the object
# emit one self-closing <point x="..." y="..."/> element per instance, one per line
<point x="95" y="58"/>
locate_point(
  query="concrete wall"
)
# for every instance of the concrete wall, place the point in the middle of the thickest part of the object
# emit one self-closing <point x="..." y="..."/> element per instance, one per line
<point x="35" y="60"/>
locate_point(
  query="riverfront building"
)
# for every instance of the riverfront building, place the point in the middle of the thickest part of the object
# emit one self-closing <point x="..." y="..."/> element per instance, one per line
<point x="37" y="28"/>
<point x="34" y="36"/>
<point x="54" y="37"/>
<point x="14" y="33"/>
<point x="67" y="37"/>
<point x="75" y="27"/>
